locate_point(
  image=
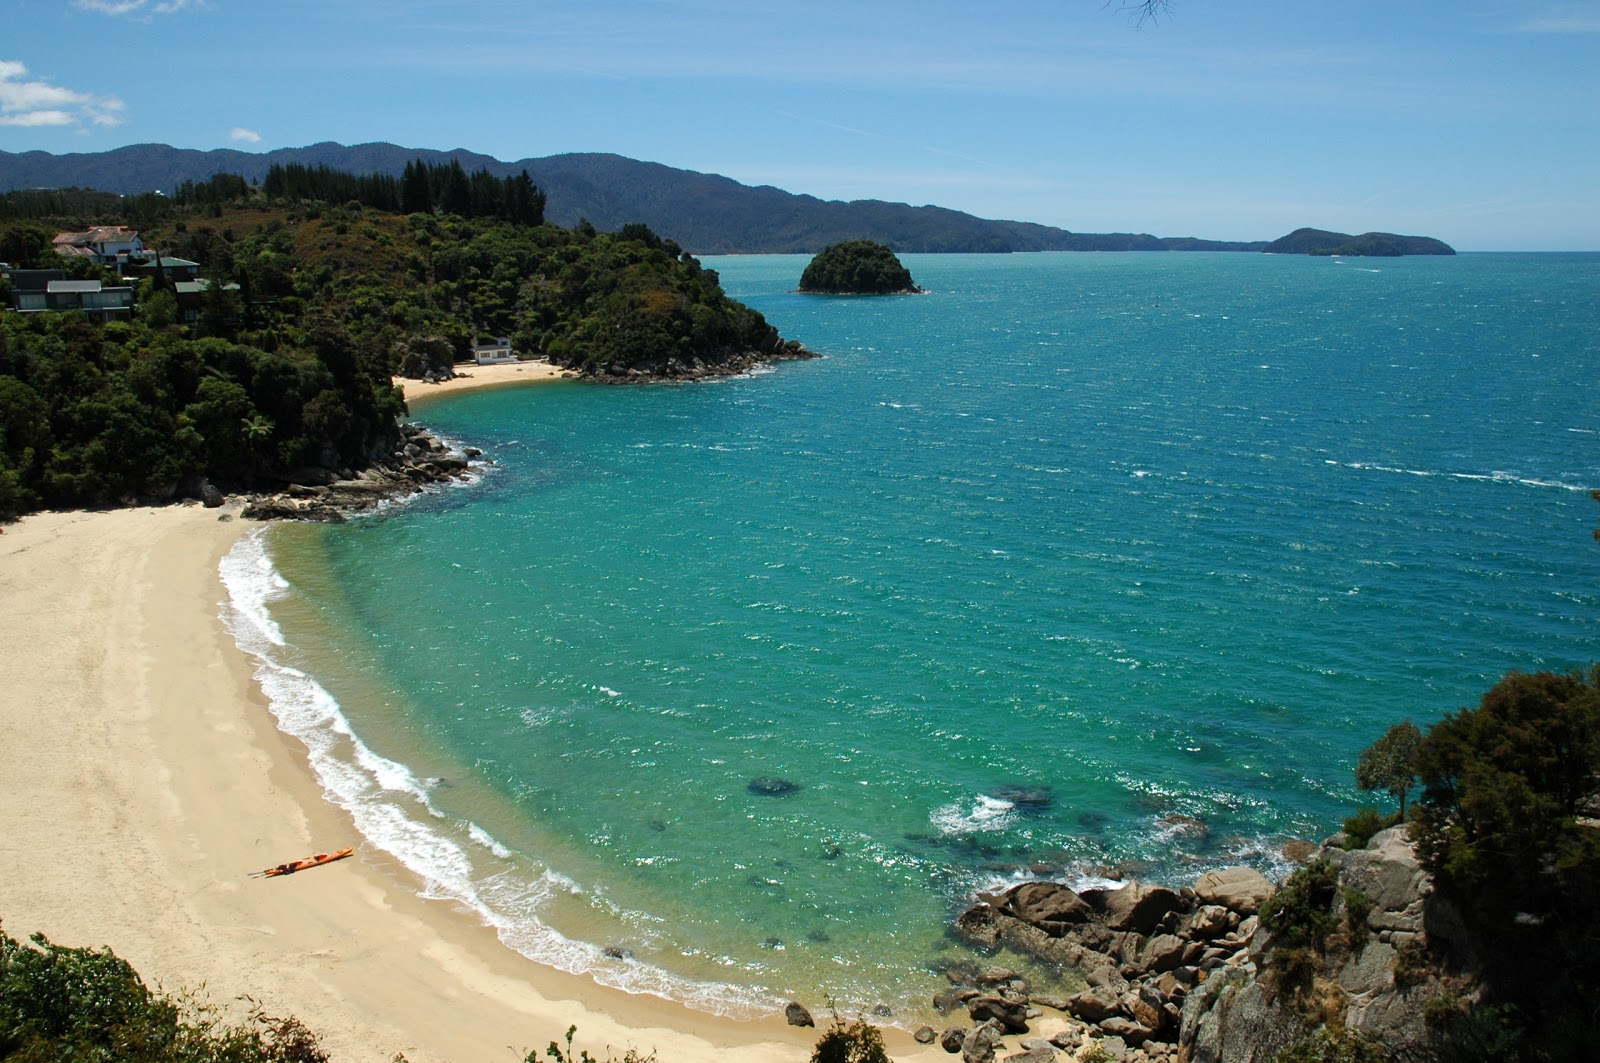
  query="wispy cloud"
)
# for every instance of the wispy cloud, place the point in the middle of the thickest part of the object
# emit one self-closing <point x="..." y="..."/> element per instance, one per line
<point x="35" y="103"/>
<point x="1564" y="18"/>
<point x="129" y="7"/>
<point x="241" y="135"/>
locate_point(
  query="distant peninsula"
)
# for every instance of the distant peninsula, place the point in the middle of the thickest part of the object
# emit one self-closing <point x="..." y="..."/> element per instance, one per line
<point x="1371" y="245"/>
<point x="857" y="267"/>
<point x="705" y="214"/>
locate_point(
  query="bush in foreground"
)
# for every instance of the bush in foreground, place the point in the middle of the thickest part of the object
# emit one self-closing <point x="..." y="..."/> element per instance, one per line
<point x="61" y="1003"/>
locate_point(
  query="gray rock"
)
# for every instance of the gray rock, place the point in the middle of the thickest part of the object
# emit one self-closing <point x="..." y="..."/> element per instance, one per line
<point x="1165" y="952"/>
<point x="1093" y="1005"/>
<point x="1010" y="1014"/>
<point x="1208" y="921"/>
<point x="953" y="1038"/>
<point x="980" y="1045"/>
<point x="1033" y="1052"/>
<point x="925" y="1035"/>
<point x="1050" y="906"/>
<point x="1241" y="889"/>
<point x="1135" y="907"/>
<point x="1131" y="1031"/>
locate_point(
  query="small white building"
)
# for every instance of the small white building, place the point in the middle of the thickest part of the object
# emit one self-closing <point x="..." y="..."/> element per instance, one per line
<point x="496" y="351"/>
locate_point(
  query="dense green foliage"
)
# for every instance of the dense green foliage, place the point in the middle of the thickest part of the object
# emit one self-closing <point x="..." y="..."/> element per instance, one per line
<point x="59" y="1003"/>
<point x="292" y="368"/>
<point x="1387" y="764"/>
<point x="857" y="267"/>
<point x="1505" y="787"/>
<point x="1328" y="1045"/>
<point x="1360" y="827"/>
<point x="1506" y="826"/>
<point x="1300" y="916"/>
<point x="856" y="1042"/>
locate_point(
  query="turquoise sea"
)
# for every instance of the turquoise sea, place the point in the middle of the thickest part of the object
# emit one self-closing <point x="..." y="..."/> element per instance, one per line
<point x="1078" y="565"/>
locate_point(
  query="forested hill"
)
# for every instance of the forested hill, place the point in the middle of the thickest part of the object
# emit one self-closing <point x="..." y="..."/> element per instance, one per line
<point x="705" y="213"/>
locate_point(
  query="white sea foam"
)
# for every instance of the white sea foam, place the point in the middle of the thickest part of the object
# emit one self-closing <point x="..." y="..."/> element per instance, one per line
<point x="1496" y="476"/>
<point x="982" y="814"/>
<point x="456" y="861"/>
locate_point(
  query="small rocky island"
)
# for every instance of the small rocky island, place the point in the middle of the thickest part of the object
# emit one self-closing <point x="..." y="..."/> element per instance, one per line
<point x="857" y="267"/>
<point x="1371" y="245"/>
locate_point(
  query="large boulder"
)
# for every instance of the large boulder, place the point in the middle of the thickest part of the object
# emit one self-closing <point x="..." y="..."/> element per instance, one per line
<point x="1010" y="1014"/>
<point x="1134" y="907"/>
<point x="1241" y="889"/>
<point x="1050" y="906"/>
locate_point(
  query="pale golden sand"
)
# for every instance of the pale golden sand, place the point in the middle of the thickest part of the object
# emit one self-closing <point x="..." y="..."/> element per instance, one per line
<point x="482" y="376"/>
<point x="142" y="778"/>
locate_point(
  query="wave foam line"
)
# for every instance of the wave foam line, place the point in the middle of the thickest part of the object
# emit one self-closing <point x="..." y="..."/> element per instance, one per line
<point x="1483" y="477"/>
<point x="392" y="811"/>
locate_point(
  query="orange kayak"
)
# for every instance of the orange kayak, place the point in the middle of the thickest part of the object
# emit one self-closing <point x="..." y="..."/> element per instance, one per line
<point x="300" y="865"/>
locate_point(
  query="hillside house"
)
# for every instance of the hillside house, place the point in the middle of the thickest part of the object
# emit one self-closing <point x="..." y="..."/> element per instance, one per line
<point x="107" y="245"/>
<point x="149" y="263"/>
<point x="48" y="290"/>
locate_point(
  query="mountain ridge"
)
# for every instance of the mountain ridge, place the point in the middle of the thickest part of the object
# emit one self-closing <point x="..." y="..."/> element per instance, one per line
<point x="705" y="213"/>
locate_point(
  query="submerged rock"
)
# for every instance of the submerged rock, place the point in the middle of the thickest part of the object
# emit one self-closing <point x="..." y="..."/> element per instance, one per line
<point x="769" y="786"/>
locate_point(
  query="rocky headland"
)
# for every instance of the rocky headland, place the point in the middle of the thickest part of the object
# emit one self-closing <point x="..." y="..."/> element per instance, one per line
<point x="419" y="460"/>
<point x="1220" y="971"/>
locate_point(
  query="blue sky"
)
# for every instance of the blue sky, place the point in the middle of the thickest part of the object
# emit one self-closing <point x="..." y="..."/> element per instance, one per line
<point x="1477" y="121"/>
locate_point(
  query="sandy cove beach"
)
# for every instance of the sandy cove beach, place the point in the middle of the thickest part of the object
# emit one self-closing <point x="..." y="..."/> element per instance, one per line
<point x="474" y="377"/>
<point x="142" y="778"/>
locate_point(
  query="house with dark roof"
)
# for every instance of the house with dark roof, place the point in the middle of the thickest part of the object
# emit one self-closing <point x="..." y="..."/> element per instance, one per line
<point x="48" y="290"/>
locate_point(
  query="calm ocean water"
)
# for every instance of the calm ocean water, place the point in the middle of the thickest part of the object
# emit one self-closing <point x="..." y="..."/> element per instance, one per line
<point x="1080" y="564"/>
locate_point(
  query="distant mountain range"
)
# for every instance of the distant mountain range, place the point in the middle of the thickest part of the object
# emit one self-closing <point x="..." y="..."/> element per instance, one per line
<point x="706" y="213"/>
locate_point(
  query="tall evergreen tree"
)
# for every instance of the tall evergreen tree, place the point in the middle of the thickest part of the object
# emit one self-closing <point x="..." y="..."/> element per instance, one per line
<point x="415" y="195"/>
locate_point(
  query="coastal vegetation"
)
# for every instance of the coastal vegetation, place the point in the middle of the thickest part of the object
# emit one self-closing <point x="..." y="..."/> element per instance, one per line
<point x="60" y="1003"/>
<point x="857" y="267"/>
<point x="1375" y="245"/>
<point x="283" y="360"/>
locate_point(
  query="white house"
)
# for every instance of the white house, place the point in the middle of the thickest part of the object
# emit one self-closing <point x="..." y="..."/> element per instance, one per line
<point x="496" y="351"/>
<point x="106" y="244"/>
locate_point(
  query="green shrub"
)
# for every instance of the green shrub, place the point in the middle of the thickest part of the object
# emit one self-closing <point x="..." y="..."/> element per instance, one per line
<point x="1331" y="1046"/>
<point x="859" y="1042"/>
<point x="560" y="1055"/>
<point x="1357" y="906"/>
<point x="59" y="1003"/>
<point x="1367" y="822"/>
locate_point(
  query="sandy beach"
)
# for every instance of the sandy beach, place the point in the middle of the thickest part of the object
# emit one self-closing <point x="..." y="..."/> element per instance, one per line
<point x="475" y="377"/>
<point x="144" y="778"/>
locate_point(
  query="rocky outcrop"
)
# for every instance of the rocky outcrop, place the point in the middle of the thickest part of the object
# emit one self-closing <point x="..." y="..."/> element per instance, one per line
<point x="318" y="493"/>
<point x="680" y="370"/>
<point x="1140" y="950"/>
<point x="1191" y="974"/>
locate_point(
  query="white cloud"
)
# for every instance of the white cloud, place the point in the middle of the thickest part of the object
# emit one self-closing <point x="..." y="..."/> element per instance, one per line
<point x="244" y="136"/>
<point x="128" y="7"/>
<point x="39" y="103"/>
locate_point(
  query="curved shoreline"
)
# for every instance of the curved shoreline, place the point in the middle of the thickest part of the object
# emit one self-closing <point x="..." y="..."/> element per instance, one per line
<point x="146" y="778"/>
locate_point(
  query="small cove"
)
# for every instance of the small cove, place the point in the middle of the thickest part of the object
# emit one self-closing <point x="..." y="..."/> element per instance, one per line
<point x="1078" y="564"/>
